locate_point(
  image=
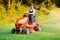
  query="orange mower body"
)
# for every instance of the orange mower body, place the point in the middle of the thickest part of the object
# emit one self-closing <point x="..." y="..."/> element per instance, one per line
<point x="22" y="26"/>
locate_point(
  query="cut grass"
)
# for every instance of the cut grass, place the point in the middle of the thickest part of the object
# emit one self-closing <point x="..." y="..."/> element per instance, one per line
<point x="49" y="32"/>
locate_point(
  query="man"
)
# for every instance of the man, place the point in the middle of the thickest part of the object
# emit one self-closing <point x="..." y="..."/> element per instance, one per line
<point x="31" y="13"/>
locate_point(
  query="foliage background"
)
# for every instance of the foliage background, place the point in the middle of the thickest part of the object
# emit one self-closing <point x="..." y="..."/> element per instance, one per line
<point x="9" y="14"/>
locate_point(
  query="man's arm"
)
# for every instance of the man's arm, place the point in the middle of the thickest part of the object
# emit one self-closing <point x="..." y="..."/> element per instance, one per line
<point x="33" y="12"/>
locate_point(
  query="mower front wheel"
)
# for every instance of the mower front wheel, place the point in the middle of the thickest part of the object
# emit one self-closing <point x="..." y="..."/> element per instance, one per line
<point x="13" y="30"/>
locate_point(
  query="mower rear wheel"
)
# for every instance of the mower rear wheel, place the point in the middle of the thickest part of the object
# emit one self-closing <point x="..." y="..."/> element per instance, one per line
<point x="38" y="27"/>
<point x="13" y="30"/>
<point x="25" y="31"/>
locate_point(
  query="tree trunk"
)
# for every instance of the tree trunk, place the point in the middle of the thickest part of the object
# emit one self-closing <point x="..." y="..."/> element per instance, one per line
<point x="9" y="6"/>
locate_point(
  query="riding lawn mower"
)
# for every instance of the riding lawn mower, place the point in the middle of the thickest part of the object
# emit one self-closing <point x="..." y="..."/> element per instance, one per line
<point x="22" y="26"/>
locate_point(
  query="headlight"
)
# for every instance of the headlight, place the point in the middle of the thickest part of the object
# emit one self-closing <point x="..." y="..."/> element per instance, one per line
<point x="19" y="24"/>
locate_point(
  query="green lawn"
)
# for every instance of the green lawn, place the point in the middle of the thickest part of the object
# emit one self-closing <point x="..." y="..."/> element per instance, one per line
<point x="50" y="31"/>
